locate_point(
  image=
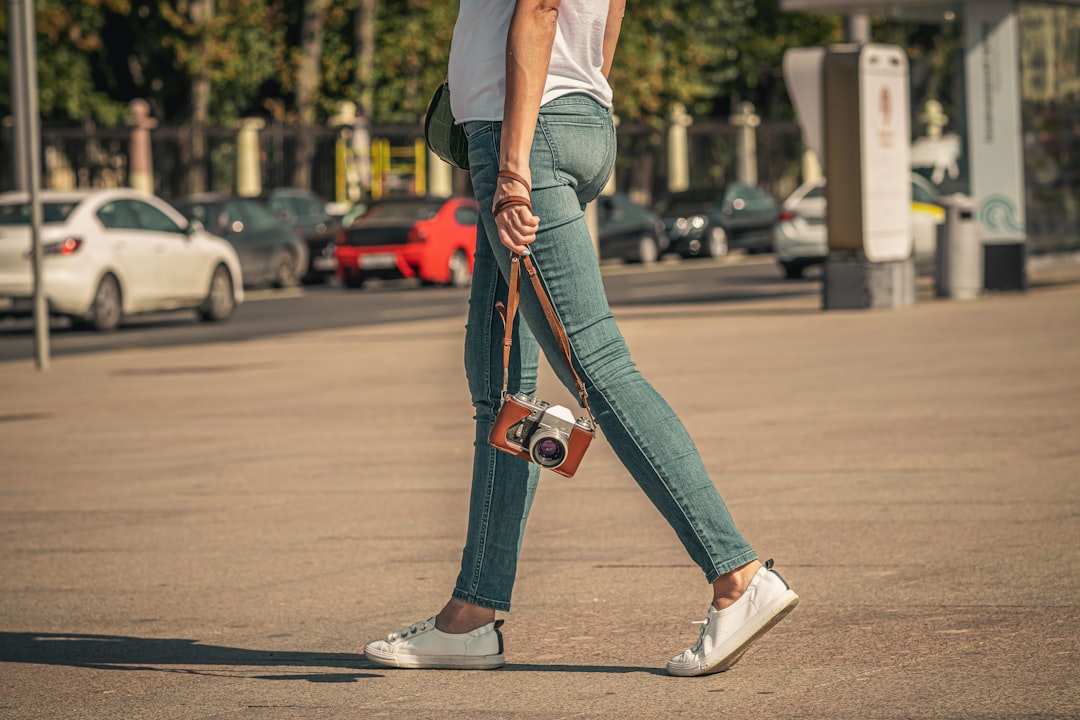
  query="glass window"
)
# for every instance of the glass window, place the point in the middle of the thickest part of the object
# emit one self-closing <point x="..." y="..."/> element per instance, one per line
<point x="281" y="207"/>
<point x="296" y="207"/>
<point x="203" y="212"/>
<point x="402" y="210"/>
<point x="606" y="207"/>
<point x="739" y="197"/>
<point x="148" y="217"/>
<point x="920" y="194"/>
<point x="257" y="216"/>
<point x="308" y="207"/>
<point x="51" y="213"/>
<point x="465" y="215"/>
<point x="117" y="215"/>
<point x="1050" y="89"/>
<point x="229" y="217"/>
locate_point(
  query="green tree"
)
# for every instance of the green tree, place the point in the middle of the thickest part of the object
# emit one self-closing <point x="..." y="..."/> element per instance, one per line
<point x="226" y="49"/>
<point x="760" y="70"/>
<point x="232" y="44"/>
<point x="69" y="48"/>
<point x="677" y="52"/>
<point x="413" y="49"/>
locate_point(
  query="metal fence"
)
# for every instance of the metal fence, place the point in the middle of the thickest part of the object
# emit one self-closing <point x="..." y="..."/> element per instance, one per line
<point x="91" y="156"/>
<point x="88" y="156"/>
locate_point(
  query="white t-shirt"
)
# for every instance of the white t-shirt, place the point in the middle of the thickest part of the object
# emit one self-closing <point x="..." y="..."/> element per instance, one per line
<point x="478" y="56"/>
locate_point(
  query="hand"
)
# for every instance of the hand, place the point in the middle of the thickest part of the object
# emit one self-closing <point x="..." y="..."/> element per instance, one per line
<point x="517" y="228"/>
<point x="517" y="225"/>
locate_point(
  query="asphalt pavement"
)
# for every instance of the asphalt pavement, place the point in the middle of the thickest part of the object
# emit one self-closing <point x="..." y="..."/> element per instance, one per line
<point x="214" y="531"/>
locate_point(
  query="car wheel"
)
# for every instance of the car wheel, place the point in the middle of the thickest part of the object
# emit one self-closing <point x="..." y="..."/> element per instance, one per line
<point x="459" y="270"/>
<point x="286" y="272"/>
<point x="107" y="309"/>
<point x="353" y="279"/>
<point x="220" y="301"/>
<point x="648" y="250"/>
<point x="793" y="271"/>
<point x="716" y="245"/>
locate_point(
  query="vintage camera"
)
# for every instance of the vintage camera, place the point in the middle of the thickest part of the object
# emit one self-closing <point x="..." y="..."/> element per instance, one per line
<point x="545" y="434"/>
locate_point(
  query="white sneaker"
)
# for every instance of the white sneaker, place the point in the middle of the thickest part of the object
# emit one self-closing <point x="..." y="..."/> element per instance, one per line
<point x="726" y="634"/>
<point x="421" y="645"/>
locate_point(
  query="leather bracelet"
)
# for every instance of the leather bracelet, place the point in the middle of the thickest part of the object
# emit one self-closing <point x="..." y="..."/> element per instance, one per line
<point x="511" y="201"/>
<point x="511" y="175"/>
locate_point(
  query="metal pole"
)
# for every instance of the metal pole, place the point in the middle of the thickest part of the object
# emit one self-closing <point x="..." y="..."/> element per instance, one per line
<point x="28" y="118"/>
<point x="858" y="28"/>
<point x="17" y="51"/>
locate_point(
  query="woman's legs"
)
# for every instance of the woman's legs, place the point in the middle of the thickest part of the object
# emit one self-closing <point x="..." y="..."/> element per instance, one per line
<point x="641" y="427"/>
<point x="572" y="157"/>
<point x="503" y="485"/>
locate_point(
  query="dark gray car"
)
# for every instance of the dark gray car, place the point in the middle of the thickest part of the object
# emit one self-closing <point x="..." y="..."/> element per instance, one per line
<point x="270" y="251"/>
<point x="628" y="230"/>
<point x="306" y="213"/>
<point x="708" y="222"/>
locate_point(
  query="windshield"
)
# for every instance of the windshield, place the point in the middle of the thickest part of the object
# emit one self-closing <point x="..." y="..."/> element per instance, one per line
<point x="199" y="211"/>
<point x="51" y="213"/>
<point x="402" y="210"/>
<point x="684" y="207"/>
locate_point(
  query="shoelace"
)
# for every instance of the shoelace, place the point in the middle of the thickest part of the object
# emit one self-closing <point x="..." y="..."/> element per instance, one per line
<point x="704" y="628"/>
<point x="409" y="631"/>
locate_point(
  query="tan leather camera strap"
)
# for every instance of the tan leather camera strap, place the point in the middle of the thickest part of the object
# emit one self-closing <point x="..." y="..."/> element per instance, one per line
<point x="512" y="302"/>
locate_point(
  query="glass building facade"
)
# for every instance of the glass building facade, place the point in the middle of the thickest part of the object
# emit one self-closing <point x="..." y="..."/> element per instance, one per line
<point x="1041" y="190"/>
<point x="1050" y="99"/>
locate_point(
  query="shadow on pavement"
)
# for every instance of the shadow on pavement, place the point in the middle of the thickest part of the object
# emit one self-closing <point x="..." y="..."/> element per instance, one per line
<point x="720" y="296"/>
<point x="119" y="652"/>
<point x="609" y="669"/>
<point x="116" y="652"/>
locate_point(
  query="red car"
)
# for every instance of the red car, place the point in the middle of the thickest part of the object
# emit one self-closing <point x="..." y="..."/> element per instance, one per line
<point x="430" y="238"/>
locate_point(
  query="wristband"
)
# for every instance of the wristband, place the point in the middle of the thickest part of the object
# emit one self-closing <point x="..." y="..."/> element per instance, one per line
<point x="511" y="175"/>
<point x="511" y="201"/>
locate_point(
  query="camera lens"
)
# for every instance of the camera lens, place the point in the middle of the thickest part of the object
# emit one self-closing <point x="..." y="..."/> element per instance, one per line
<point x="549" y="451"/>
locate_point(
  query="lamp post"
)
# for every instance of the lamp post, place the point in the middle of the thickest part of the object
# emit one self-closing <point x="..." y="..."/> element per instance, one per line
<point x="24" y="94"/>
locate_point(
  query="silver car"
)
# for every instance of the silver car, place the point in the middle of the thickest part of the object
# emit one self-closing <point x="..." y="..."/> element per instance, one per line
<point x="801" y="237"/>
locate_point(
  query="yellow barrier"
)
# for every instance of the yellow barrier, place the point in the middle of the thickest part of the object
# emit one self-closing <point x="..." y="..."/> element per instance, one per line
<point x="390" y="164"/>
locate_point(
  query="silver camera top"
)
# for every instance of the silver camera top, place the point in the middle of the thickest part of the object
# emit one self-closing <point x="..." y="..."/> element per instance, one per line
<point x="557" y="416"/>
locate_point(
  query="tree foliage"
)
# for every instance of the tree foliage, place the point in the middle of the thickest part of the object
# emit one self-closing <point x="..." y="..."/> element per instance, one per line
<point x="412" y="51"/>
<point x="71" y="50"/>
<point x="96" y="55"/>
<point x="759" y="67"/>
<point x="678" y="52"/>
<point x="235" y="48"/>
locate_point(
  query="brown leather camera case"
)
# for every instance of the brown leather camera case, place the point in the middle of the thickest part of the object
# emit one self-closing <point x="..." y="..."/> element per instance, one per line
<point x="513" y="412"/>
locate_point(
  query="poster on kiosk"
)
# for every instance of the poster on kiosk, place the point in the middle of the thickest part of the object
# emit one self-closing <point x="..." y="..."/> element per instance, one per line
<point x="869" y="191"/>
<point x="853" y="104"/>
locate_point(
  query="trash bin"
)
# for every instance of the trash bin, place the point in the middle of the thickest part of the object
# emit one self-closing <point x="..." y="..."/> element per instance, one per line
<point x="958" y="259"/>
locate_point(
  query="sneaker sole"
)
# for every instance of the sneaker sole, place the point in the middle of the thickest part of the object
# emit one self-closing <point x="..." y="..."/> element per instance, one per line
<point x="774" y="613"/>
<point x="445" y="662"/>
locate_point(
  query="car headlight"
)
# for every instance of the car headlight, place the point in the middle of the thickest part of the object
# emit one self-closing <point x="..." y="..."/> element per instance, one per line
<point x="697" y="222"/>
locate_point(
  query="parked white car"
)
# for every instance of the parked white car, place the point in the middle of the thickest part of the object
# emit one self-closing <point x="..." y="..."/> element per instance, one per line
<point x="112" y="253"/>
<point x="801" y="237"/>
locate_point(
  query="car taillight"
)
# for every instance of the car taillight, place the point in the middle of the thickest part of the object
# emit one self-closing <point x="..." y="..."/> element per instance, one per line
<point x="67" y="246"/>
<point x="787" y="215"/>
<point x="415" y="236"/>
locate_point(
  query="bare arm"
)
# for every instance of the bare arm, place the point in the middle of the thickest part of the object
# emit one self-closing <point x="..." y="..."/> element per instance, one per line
<point x="616" y="9"/>
<point x="528" y="54"/>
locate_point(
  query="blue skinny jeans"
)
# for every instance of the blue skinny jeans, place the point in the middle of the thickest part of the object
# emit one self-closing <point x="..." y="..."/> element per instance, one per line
<point x="572" y="156"/>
